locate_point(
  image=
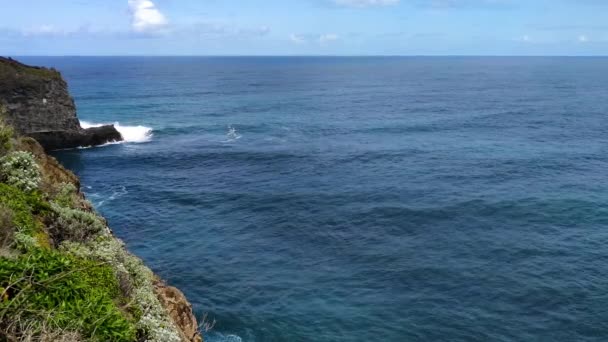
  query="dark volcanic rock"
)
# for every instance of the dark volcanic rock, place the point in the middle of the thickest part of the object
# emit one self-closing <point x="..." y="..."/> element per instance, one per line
<point x="54" y="140"/>
<point x="39" y="105"/>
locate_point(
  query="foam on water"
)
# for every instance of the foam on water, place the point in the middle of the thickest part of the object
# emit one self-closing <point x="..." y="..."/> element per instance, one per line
<point x="232" y="134"/>
<point x="101" y="198"/>
<point x="132" y="134"/>
<point x="218" y="337"/>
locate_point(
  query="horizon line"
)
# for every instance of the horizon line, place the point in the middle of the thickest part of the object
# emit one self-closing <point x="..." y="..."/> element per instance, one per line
<point x="308" y="55"/>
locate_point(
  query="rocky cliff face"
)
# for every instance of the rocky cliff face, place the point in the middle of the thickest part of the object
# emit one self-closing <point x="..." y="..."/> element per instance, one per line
<point x="38" y="104"/>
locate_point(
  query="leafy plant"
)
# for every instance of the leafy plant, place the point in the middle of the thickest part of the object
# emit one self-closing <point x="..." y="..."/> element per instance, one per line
<point x="63" y="292"/>
<point x="20" y="170"/>
<point x="152" y="319"/>
<point x="75" y="224"/>
<point x="66" y="195"/>
<point x="26" y="210"/>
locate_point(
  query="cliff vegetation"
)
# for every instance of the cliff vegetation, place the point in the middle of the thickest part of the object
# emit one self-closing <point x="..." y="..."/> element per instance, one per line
<point x="63" y="275"/>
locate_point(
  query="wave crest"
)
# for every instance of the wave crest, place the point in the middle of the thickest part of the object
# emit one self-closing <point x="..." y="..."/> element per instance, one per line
<point x="134" y="134"/>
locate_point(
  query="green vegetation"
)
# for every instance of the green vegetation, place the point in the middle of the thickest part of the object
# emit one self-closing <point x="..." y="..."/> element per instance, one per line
<point x="7" y="233"/>
<point x="76" y="224"/>
<point x="66" y="195"/>
<point x="26" y="211"/>
<point x="137" y="279"/>
<point x="63" y="276"/>
<point x="10" y="68"/>
<point x="61" y="292"/>
<point x="45" y="290"/>
<point x="20" y="170"/>
<point x="6" y="133"/>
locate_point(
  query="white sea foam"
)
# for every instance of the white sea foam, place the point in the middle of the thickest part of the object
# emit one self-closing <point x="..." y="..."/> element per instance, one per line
<point x="232" y="135"/>
<point x="99" y="199"/>
<point x="218" y="337"/>
<point x="133" y="134"/>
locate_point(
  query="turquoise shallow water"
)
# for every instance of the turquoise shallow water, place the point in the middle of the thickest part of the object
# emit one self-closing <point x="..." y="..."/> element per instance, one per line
<point x="360" y="199"/>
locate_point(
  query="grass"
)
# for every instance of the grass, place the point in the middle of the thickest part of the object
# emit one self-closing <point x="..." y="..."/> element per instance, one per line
<point x="65" y="293"/>
<point x="10" y="68"/>
<point x="136" y="279"/>
<point x="46" y="290"/>
<point x="7" y="230"/>
<point x="27" y="209"/>
<point x="6" y="133"/>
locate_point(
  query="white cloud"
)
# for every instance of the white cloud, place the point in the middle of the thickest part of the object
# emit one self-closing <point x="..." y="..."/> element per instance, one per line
<point x="327" y="38"/>
<point x="220" y="30"/>
<point x="54" y="31"/>
<point x="365" y="3"/>
<point x="583" y="38"/>
<point x="465" y="3"/>
<point x="145" y="17"/>
<point x="43" y="30"/>
<point x="296" y="38"/>
<point x="321" y="39"/>
<point x="256" y="31"/>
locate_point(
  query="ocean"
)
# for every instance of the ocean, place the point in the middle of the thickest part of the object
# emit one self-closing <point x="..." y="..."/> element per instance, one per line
<point x="359" y="199"/>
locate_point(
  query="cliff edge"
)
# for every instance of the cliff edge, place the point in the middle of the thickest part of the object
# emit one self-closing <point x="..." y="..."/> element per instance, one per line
<point x="64" y="276"/>
<point x="39" y="105"/>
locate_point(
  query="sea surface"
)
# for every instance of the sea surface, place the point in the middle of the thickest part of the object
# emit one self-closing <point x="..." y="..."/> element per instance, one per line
<point x="359" y="199"/>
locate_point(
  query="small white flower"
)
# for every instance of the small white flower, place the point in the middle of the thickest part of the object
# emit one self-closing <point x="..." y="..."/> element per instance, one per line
<point x="19" y="169"/>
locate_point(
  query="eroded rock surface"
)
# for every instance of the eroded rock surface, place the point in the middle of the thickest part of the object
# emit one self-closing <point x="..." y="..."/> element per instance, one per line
<point x="36" y="102"/>
<point x="180" y="311"/>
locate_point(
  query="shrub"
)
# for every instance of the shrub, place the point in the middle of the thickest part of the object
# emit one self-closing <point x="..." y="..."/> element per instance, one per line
<point x="26" y="210"/>
<point x="32" y="331"/>
<point x="66" y="195"/>
<point x="20" y="170"/>
<point x="76" y="225"/>
<point x="6" y="133"/>
<point x="7" y="228"/>
<point x="6" y="139"/>
<point x="25" y="241"/>
<point x="62" y="292"/>
<point x="153" y="320"/>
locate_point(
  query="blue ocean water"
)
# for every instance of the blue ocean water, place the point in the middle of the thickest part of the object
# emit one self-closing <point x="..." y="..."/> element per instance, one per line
<point x="360" y="199"/>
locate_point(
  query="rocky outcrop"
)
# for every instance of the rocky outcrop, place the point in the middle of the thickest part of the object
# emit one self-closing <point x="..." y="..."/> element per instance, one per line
<point x="180" y="311"/>
<point x="55" y="140"/>
<point x="37" y="104"/>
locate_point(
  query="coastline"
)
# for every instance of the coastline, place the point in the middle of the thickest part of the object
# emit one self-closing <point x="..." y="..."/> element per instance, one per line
<point x="64" y="276"/>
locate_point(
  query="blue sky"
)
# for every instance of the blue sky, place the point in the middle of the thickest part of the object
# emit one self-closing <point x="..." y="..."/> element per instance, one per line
<point x="304" y="27"/>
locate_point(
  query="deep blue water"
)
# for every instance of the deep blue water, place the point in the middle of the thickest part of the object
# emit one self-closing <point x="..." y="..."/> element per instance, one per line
<point x="361" y="199"/>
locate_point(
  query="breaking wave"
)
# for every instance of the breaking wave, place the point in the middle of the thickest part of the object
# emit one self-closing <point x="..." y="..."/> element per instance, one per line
<point x="133" y="134"/>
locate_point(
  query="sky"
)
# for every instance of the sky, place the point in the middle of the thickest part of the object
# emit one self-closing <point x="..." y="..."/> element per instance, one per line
<point x="303" y="27"/>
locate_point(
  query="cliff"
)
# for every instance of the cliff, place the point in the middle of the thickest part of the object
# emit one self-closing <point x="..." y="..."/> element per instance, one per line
<point x="39" y="105"/>
<point x="63" y="275"/>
